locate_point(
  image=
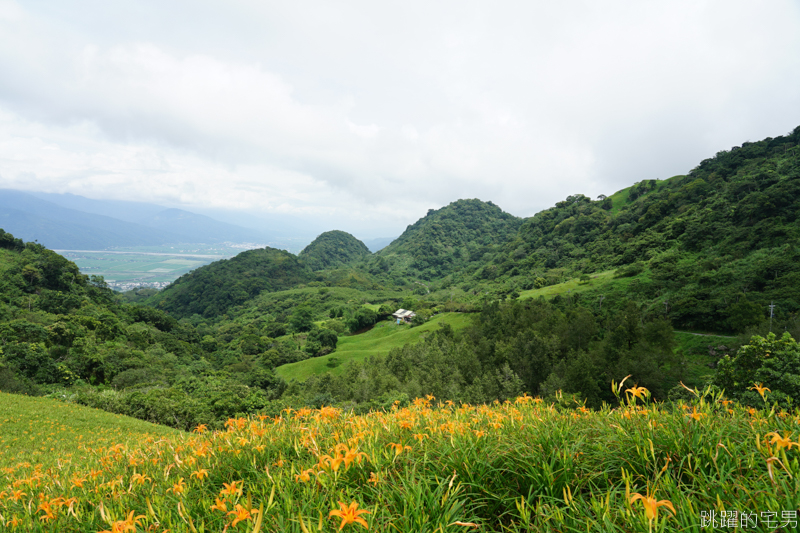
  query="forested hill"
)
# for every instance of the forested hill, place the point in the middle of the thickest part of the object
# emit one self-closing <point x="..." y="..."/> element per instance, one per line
<point x="58" y="326"/>
<point x="212" y="289"/>
<point x="333" y="249"/>
<point x="712" y="247"/>
<point x="450" y="238"/>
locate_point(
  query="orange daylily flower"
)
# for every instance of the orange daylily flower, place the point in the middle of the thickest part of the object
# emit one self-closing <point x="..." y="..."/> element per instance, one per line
<point x="349" y="514"/>
<point x="782" y="442"/>
<point x="638" y="392"/>
<point x="398" y="448"/>
<point x="178" y="488"/>
<point x="139" y="479"/>
<point x="761" y="390"/>
<point x="304" y="476"/>
<point x="695" y="415"/>
<point x="241" y="514"/>
<point x="219" y="505"/>
<point x="127" y="525"/>
<point x="229" y="489"/>
<point x="200" y="473"/>
<point x="651" y="505"/>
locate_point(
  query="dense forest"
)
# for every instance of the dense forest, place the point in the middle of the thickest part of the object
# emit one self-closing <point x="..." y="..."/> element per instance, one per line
<point x="212" y="289"/>
<point x="446" y="240"/>
<point x="708" y="251"/>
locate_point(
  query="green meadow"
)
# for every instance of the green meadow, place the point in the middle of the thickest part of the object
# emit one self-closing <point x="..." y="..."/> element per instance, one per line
<point x="377" y="341"/>
<point x="41" y="430"/>
<point x="574" y="285"/>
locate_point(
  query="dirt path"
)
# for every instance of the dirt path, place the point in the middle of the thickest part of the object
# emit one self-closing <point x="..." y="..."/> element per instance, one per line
<point x="706" y="334"/>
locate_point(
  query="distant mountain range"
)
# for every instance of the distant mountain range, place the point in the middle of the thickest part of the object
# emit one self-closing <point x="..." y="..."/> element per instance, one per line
<point x="72" y="222"/>
<point x="67" y="221"/>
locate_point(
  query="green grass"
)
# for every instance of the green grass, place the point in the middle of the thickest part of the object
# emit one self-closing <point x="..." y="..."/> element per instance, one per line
<point x="377" y="341"/>
<point x="38" y="429"/>
<point x="620" y="198"/>
<point x="695" y="350"/>
<point x="573" y="285"/>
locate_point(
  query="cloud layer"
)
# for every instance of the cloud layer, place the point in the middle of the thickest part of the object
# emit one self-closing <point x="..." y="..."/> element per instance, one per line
<point x="370" y="113"/>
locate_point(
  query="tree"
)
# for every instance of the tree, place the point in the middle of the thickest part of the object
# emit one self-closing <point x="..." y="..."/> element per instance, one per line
<point x="773" y="362"/>
<point x="302" y="319"/>
<point x="744" y="314"/>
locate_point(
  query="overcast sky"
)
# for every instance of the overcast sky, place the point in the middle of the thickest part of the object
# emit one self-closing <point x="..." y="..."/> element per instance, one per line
<point x="366" y="114"/>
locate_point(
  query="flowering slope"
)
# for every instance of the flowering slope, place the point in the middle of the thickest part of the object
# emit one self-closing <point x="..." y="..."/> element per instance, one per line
<point x="517" y="466"/>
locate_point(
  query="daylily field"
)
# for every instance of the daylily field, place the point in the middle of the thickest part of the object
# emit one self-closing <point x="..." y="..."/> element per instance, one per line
<point x="517" y="466"/>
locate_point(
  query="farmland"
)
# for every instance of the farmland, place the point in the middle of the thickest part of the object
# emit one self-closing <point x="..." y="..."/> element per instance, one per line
<point x="154" y="266"/>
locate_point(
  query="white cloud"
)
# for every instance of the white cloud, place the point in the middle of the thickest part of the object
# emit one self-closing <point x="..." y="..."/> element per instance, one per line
<point x="375" y="112"/>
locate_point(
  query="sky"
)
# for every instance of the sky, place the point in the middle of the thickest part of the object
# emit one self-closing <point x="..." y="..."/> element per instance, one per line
<point x="362" y="115"/>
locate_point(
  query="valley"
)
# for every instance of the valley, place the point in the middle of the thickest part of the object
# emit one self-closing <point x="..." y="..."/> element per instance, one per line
<point x="637" y="343"/>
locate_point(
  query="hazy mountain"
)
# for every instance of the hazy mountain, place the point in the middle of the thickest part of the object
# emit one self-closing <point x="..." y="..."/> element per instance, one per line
<point x="67" y="221"/>
<point x="134" y="212"/>
<point x="375" y="245"/>
<point x="31" y="218"/>
<point x="200" y="228"/>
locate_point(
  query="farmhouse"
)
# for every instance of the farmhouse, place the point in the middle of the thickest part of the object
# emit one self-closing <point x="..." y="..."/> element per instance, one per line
<point x="404" y="315"/>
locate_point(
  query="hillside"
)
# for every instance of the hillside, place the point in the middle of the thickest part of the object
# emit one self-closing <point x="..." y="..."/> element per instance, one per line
<point x="59" y="327"/>
<point x="333" y="249"/>
<point x="212" y="289"/>
<point x="446" y="240"/>
<point x="61" y="430"/>
<point x="712" y="248"/>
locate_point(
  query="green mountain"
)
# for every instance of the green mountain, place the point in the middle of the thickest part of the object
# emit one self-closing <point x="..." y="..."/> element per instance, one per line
<point x="212" y="289"/>
<point x="712" y="248"/>
<point x="452" y="238"/>
<point x="333" y="249"/>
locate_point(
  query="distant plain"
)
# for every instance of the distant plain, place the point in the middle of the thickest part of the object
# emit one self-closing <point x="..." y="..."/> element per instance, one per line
<point x="150" y="264"/>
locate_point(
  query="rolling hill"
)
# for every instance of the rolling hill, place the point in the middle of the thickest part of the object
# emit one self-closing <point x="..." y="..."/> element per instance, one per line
<point x="212" y="289"/>
<point x="452" y="238"/>
<point x="333" y="249"/>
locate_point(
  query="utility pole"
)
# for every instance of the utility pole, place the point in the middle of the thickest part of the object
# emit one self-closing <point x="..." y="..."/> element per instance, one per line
<point x="771" y="312"/>
<point x="601" y="302"/>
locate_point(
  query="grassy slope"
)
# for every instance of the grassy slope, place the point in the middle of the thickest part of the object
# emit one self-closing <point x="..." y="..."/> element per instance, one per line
<point x="377" y="341"/>
<point x="620" y="198"/>
<point x="41" y="430"/>
<point x="573" y="285"/>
